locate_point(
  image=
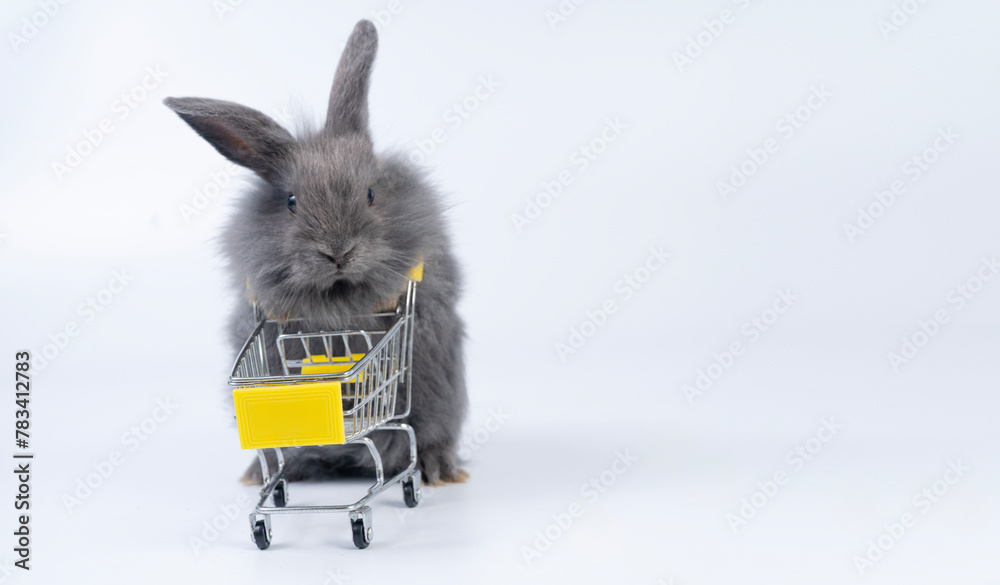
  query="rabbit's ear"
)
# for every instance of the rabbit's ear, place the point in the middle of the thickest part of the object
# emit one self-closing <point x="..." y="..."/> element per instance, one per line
<point x="348" y="111"/>
<point x="243" y="135"/>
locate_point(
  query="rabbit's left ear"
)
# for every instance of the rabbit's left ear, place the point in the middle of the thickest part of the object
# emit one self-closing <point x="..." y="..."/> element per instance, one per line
<point x="348" y="111"/>
<point x="243" y="135"/>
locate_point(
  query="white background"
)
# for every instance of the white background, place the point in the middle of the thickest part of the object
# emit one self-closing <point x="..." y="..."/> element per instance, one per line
<point x="668" y="518"/>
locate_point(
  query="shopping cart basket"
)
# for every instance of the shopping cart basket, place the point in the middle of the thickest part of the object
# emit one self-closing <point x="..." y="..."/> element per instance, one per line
<point x="326" y="388"/>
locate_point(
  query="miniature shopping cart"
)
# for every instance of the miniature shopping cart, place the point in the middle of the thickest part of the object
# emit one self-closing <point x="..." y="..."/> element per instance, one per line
<point x="297" y="387"/>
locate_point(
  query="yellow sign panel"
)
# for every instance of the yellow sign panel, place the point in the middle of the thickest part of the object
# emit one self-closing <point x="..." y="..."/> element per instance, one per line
<point x="291" y="415"/>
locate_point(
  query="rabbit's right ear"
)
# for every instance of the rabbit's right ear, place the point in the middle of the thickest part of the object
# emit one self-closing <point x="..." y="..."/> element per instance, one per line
<point x="348" y="109"/>
<point x="243" y="135"/>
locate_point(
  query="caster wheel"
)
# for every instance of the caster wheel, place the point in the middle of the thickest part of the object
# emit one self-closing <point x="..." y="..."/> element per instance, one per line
<point x="261" y="534"/>
<point x="280" y="494"/>
<point x="411" y="490"/>
<point x="361" y="527"/>
<point x="362" y="536"/>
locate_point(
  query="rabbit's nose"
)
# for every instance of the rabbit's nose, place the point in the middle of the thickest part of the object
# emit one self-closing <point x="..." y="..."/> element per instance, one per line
<point x="337" y="260"/>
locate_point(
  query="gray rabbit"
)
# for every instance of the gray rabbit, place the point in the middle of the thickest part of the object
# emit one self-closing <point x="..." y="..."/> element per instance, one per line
<point x="330" y="231"/>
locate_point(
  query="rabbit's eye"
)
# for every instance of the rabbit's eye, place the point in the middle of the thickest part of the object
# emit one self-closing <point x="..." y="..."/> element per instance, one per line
<point x="291" y="203"/>
<point x="371" y="197"/>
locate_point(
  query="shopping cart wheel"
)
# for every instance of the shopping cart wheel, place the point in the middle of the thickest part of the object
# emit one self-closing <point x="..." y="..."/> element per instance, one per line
<point x="361" y="526"/>
<point x="280" y="494"/>
<point x="411" y="490"/>
<point x="262" y="534"/>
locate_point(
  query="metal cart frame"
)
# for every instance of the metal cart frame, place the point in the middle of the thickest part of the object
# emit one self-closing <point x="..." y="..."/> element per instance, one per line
<point x="371" y="385"/>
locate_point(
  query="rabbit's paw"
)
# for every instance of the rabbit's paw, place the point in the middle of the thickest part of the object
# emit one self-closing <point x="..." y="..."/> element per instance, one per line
<point x="440" y="466"/>
<point x="252" y="476"/>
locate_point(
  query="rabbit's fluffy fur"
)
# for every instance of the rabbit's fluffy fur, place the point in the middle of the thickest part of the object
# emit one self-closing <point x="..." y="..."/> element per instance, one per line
<point x="342" y="247"/>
